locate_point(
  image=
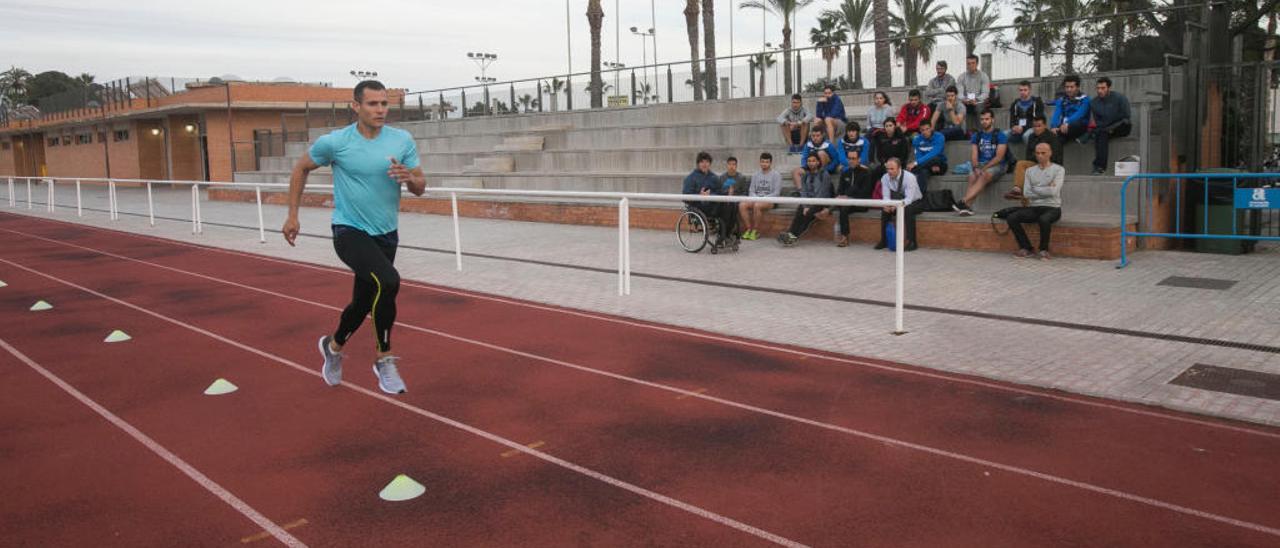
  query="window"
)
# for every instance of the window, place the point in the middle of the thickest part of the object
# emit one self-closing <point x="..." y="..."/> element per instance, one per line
<point x="5" y="145"/>
<point x="121" y="135"/>
<point x="66" y="140"/>
<point x="84" y="139"/>
<point x="53" y="141"/>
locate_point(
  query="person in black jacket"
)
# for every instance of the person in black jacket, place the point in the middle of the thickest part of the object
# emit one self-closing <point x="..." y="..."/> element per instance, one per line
<point x="855" y="182"/>
<point x="1110" y="112"/>
<point x="890" y="144"/>
<point x="1023" y="110"/>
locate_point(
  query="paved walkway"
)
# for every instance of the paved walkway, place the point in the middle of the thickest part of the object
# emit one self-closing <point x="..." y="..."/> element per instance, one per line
<point x="1050" y="324"/>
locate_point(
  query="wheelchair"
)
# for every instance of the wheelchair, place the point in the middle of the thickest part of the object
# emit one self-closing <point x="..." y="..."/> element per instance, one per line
<point x="695" y="231"/>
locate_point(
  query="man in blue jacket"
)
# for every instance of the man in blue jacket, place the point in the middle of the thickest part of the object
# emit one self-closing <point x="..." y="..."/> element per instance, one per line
<point x="929" y="147"/>
<point x="1071" y="111"/>
<point x="1111" y="117"/>
<point x="830" y="113"/>
<point x="702" y="181"/>
<point x="830" y="155"/>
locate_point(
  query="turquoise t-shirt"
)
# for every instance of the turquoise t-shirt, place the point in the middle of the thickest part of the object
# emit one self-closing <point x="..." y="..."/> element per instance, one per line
<point x="364" y="196"/>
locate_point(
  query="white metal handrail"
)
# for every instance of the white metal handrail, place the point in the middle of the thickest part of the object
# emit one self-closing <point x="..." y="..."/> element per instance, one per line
<point x="623" y="199"/>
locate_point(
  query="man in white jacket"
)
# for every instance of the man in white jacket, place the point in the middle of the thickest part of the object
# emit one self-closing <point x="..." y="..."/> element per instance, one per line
<point x="899" y="184"/>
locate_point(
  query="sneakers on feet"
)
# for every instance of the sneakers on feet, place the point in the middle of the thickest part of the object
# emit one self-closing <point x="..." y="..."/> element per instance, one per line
<point x="1045" y="256"/>
<point x="842" y="241"/>
<point x="962" y="209"/>
<point x="388" y="377"/>
<point x="881" y="245"/>
<point x="911" y="246"/>
<point x="751" y="235"/>
<point x="1023" y="254"/>
<point x="1099" y="171"/>
<point x="332" y="370"/>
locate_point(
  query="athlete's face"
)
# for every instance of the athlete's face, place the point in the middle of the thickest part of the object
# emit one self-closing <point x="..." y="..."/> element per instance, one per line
<point x="372" y="109"/>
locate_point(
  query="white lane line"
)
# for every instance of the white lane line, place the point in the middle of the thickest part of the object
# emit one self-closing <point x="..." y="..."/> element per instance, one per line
<point x="739" y="405"/>
<point x="699" y="335"/>
<point x="610" y="480"/>
<point x="211" y="486"/>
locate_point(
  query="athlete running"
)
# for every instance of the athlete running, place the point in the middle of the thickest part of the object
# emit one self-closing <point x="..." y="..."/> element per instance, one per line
<point x="370" y="163"/>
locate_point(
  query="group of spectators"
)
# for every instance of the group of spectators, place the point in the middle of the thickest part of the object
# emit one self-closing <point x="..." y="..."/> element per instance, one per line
<point x="898" y="151"/>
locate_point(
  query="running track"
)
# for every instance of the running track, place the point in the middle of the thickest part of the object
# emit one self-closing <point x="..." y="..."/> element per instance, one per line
<point x="642" y="434"/>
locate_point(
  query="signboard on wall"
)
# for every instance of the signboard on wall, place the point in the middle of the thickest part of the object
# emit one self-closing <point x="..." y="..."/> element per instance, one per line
<point x="616" y="101"/>
<point x="1258" y="198"/>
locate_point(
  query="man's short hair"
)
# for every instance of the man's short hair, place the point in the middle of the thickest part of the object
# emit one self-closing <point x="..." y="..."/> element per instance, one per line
<point x="1039" y="118"/>
<point x="1105" y="80"/>
<point x="796" y="97"/>
<point x="374" y="85"/>
<point x="952" y="89"/>
<point x="766" y="156"/>
<point x="704" y="155"/>
<point x="913" y="93"/>
<point x="1071" y="78"/>
<point x="853" y="126"/>
<point x="826" y="87"/>
<point x="926" y="122"/>
<point x="1024" y="83"/>
<point x="731" y="159"/>
<point x="816" y="129"/>
<point x="942" y="64"/>
<point x="895" y="160"/>
<point x="971" y="56"/>
<point x="987" y="112"/>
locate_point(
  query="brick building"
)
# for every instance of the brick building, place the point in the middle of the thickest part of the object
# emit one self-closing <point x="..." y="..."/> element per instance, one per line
<point x="202" y="132"/>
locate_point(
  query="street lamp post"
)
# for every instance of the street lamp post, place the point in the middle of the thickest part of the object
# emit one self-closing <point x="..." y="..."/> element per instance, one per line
<point x="644" y="55"/>
<point x="617" y="74"/>
<point x="363" y="75"/>
<point x="483" y="60"/>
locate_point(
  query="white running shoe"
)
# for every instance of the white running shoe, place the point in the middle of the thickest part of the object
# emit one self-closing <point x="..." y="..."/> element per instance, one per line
<point x="388" y="378"/>
<point x="332" y="370"/>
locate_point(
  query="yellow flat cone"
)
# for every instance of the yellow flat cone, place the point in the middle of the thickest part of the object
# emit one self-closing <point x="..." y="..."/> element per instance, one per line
<point x="41" y="305"/>
<point x="220" y="387"/>
<point x="117" y="336"/>
<point x="402" y="488"/>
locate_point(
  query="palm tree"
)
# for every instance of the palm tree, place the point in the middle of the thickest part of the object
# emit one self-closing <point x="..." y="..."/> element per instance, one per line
<point x="525" y="100"/>
<point x="974" y="23"/>
<point x="595" y="16"/>
<point x="784" y="9"/>
<point x="13" y="85"/>
<point x="761" y="61"/>
<point x="880" y="27"/>
<point x="709" y="38"/>
<point x="913" y="33"/>
<point x="553" y="88"/>
<point x="644" y="92"/>
<point x="1031" y="32"/>
<point x="1069" y="9"/>
<point x="691" y="26"/>
<point x="852" y="15"/>
<point x="828" y="35"/>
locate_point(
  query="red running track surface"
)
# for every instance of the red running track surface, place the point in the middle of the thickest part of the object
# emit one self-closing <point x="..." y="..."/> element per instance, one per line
<point x="645" y="434"/>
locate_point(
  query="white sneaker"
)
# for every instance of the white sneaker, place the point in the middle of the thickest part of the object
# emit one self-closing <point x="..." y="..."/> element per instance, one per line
<point x="388" y="377"/>
<point x="332" y="370"/>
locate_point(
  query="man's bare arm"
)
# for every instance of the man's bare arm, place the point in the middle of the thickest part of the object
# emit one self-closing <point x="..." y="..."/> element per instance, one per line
<point x="297" y="183"/>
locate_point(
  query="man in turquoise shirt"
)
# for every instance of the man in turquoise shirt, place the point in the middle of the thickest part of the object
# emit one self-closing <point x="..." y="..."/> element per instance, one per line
<point x="370" y="163"/>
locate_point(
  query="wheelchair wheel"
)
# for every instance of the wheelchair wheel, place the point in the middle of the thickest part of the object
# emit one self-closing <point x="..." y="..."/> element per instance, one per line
<point x="692" y="231"/>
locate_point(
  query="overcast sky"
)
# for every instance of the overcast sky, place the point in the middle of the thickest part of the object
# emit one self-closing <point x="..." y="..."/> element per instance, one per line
<point x="415" y="44"/>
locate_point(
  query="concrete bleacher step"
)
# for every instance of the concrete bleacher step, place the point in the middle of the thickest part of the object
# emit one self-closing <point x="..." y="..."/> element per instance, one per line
<point x="524" y="143"/>
<point x="491" y="164"/>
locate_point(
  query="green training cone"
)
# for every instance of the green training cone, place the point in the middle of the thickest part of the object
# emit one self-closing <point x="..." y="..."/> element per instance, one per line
<point x="220" y="387"/>
<point x="402" y="488"/>
<point x="117" y="336"/>
<point x="41" y="305"/>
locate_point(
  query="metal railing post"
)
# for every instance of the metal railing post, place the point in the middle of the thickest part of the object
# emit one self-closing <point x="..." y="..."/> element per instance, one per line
<point x="79" y="206"/>
<point x="622" y="246"/>
<point x="151" y="206"/>
<point x="626" y="241"/>
<point x="111" y="199"/>
<point x="193" y="209"/>
<point x="900" y="232"/>
<point x="262" y="227"/>
<point x="457" y="231"/>
<point x="199" y="212"/>
<point x="28" y="193"/>
<point x="52" y="205"/>
<point x="13" y="201"/>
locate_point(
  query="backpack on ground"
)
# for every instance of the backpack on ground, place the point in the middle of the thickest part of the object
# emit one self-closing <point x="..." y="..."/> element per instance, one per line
<point x="939" y="200"/>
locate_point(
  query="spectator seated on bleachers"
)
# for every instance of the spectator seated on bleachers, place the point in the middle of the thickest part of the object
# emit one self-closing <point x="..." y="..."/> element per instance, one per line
<point x="936" y="91"/>
<point x="899" y="184"/>
<point x="1041" y="198"/>
<point x="830" y="113"/>
<point x="855" y="144"/>
<point x="930" y="155"/>
<point x="765" y="184"/>
<point x="989" y="157"/>
<point x="1039" y="133"/>
<point x="816" y="184"/>
<point x="1070" y="112"/>
<point x="974" y="87"/>
<point x="890" y="143"/>
<point x="855" y="182"/>
<point x="1111" y="118"/>
<point x="794" y="123"/>
<point x="879" y="112"/>
<point x="948" y="119"/>
<point x="705" y="183"/>
<point x="912" y="113"/>
<point x="1024" y="109"/>
<point x="832" y="158"/>
<point x="731" y="181"/>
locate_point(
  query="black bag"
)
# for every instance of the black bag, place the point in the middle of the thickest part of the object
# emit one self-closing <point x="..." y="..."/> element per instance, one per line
<point x="993" y="97"/>
<point x="939" y="200"/>
<point x="1001" y="215"/>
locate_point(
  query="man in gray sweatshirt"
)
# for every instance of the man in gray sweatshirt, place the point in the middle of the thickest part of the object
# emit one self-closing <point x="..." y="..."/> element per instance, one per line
<point x="1042" y="203"/>
<point x="973" y="85"/>
<point x="936" y="92"/>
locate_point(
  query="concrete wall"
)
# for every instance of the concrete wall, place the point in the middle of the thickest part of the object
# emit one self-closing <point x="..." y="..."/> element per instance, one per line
<point x="7" y="165"/>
